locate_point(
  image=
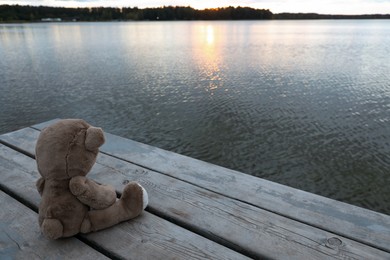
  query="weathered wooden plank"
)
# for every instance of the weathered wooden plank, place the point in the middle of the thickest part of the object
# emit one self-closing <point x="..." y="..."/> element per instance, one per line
<point x="21" y="240"/>
<point x="146" y="237"/>
<point x="357" y="223"/>
<point x="210" y="214"/>
<point x="255" y="231"/>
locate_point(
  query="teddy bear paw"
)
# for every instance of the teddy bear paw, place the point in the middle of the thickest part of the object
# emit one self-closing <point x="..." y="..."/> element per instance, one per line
<point x="78" y="185"/>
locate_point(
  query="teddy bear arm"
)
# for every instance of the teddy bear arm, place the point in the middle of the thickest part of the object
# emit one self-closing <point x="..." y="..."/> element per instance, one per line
<point x="96" y="196"/>
<point x="40" y="185"/>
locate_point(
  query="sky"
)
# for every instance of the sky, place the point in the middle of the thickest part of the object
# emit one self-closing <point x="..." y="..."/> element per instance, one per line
<point x="276" y="6"/>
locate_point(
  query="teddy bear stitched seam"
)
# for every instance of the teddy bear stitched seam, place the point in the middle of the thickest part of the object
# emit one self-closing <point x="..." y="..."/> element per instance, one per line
<point x="71" y="144"/>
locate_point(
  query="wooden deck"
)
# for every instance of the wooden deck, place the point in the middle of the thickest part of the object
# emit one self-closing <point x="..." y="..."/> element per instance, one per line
<point x="196" y="211"/>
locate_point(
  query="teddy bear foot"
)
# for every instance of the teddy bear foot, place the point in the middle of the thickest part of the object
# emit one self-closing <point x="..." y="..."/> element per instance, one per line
<point x="134" y="199"/>
<point x="52" y="228"/>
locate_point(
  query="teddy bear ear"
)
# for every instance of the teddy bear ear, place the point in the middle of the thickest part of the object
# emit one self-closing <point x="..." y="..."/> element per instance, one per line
<point x="94" y="138"/>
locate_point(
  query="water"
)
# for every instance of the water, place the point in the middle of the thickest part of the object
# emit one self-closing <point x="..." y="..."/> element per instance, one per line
<point x="302" y="103"/>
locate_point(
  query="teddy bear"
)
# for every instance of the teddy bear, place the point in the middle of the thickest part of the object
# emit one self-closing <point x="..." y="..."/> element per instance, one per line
<point x="70" y="202"/>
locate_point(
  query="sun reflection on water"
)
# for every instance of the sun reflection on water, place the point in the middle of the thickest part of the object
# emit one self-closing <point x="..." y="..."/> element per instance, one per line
<point x="208" y="57"/>
<point x="210" y="34"/>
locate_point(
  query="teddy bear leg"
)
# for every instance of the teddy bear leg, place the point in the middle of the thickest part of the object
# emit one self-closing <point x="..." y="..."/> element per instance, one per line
<point x="95" y="195"/>
<point x="52" y="228"/>
<point x="130" y="205"/>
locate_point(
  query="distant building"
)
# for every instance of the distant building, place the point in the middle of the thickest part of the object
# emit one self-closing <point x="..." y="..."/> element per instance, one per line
<point x="51" y="20"/>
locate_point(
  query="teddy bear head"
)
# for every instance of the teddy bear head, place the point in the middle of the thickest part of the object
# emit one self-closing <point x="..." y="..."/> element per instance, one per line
<point x="68" y="148"/>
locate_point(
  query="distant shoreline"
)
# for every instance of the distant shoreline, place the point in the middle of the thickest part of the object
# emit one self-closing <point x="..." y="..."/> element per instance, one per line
<point x="22" y="14"/>
<point x="315" y="16"/>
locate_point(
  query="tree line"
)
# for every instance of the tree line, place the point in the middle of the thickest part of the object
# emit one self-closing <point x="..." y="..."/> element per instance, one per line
<point x="19" y="13"/>
<point x="313" y="16"/>
<point x="37" y="13"/>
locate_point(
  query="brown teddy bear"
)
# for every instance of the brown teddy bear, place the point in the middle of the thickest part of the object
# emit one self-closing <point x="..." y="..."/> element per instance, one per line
<point x="71" y="203"/>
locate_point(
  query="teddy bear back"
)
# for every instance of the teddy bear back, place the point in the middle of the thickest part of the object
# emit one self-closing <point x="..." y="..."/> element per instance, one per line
<point x="67" y="148"/>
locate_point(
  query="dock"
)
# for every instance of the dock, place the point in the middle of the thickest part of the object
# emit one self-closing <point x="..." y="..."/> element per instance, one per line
<point x="196" y="210"/>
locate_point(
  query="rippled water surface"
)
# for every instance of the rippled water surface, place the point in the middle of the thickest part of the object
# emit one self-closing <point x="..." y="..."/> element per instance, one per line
<point x="302" y="103"/>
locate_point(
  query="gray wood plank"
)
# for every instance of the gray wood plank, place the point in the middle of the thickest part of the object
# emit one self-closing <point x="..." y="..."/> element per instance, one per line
<point x="146" y="237"/>
<point x="199" y="209"/>
<point x="357" y="223"/>
<point x="21" y="240"/>
<point x="255" y="231"/>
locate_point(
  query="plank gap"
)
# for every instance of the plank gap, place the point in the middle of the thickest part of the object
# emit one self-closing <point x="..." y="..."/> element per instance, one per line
<point x="19" y="198"/>
<point x="16" y="148"/>
<point x="97" y="247"/>
<point x="208" y="235"/>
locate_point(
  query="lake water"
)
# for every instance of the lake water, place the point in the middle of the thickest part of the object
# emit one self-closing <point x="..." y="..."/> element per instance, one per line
<point x="302" y="103"/>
